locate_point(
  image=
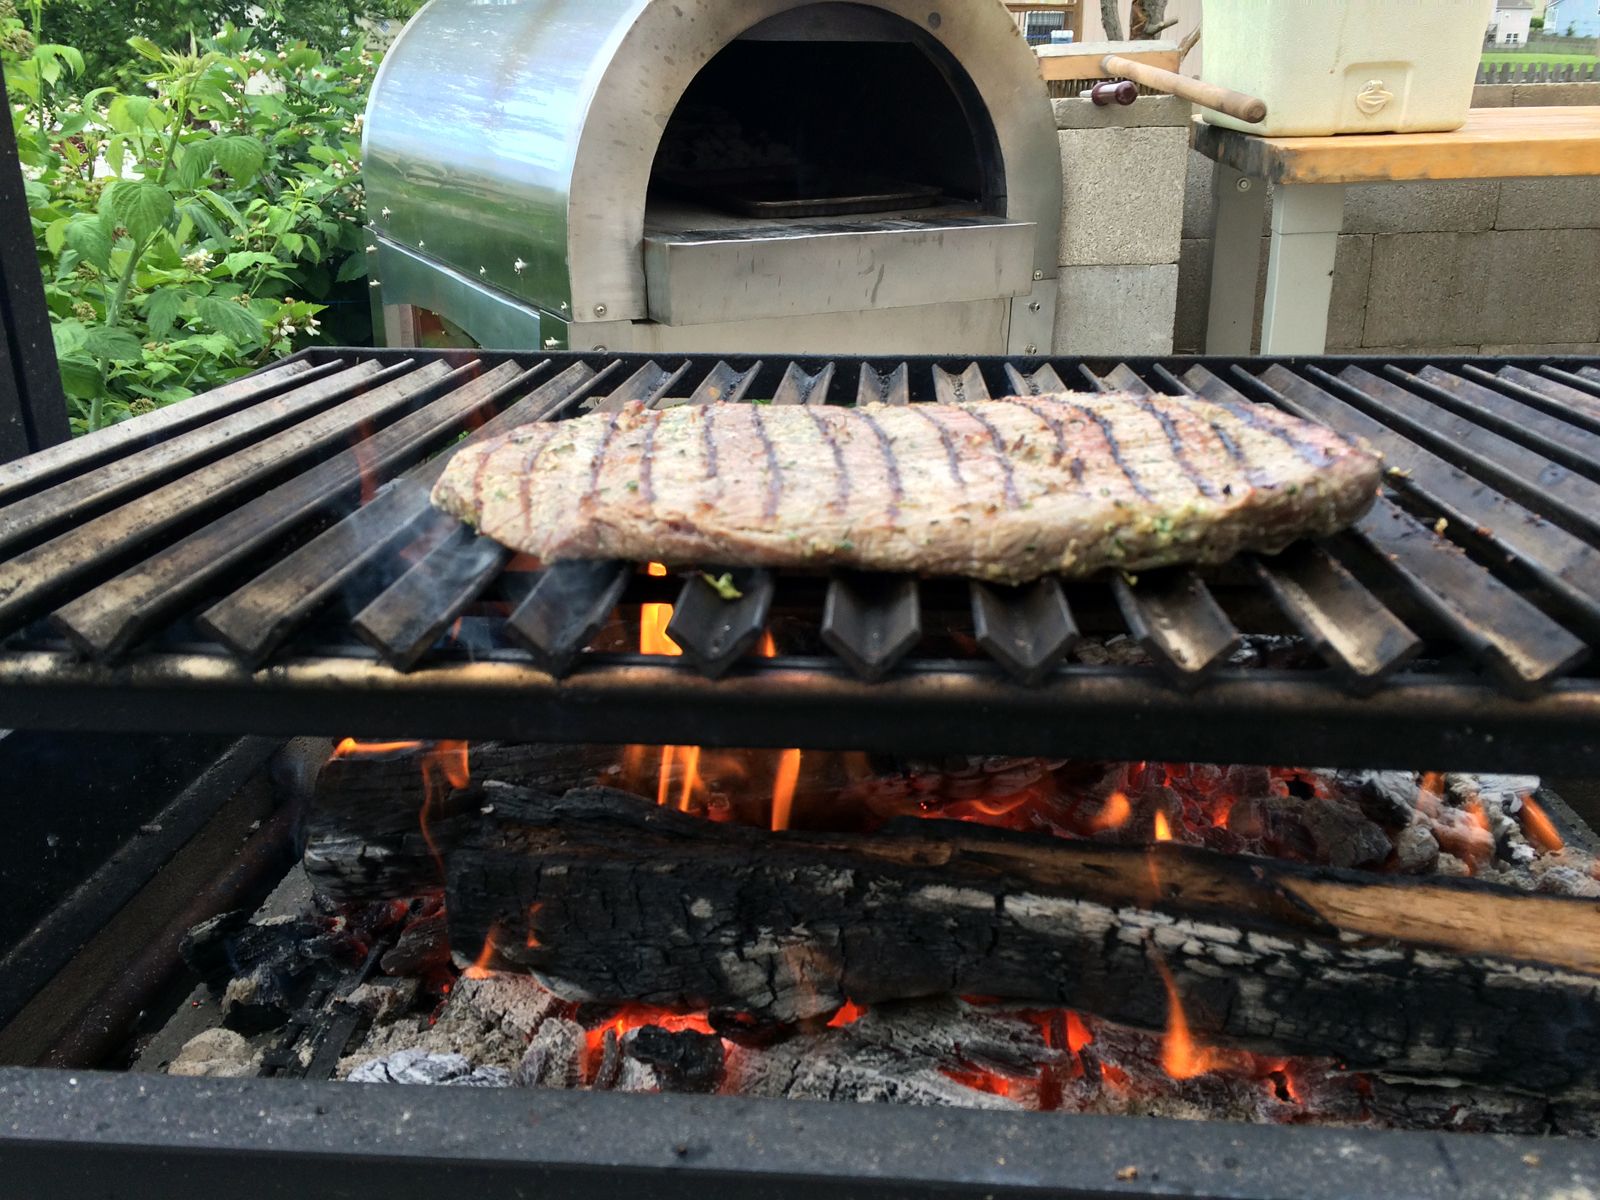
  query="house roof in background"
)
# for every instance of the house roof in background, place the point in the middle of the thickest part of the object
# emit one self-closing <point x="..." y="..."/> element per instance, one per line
<point x="1512" y="5"/>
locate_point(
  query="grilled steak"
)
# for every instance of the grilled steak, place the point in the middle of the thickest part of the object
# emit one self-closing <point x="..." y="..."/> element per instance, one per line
<point x="1004" y="490"/>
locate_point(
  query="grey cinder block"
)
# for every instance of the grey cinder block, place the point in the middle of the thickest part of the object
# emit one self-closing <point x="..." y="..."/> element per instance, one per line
<point x="1549" y="204"/>
<point x="1116" y="309"/>
<point x="1449" y="206"/>
<point x="1146" y="112"/>
<point x="1122" y="193"/>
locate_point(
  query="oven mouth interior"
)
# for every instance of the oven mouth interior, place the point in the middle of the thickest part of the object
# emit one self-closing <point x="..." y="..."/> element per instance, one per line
<point x="757" y="135"/>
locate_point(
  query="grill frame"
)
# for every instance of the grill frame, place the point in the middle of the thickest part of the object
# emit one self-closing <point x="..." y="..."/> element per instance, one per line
<point x="1376" y="711"/>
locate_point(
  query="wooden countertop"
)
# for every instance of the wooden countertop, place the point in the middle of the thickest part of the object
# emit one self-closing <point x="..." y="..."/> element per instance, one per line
<point x="1495" y="143"/>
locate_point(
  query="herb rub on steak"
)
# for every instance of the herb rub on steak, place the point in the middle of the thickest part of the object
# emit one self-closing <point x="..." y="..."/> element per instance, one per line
<point x="1005" y="490"/>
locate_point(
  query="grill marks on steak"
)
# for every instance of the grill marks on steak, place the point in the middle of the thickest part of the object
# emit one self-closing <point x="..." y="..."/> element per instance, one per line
<point x="1005" y="490"/>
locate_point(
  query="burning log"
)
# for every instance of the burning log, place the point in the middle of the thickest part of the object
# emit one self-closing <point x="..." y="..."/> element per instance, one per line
<point x="612" y="899"/>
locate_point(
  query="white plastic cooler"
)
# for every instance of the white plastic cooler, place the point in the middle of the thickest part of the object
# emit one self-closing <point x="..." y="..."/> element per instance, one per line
<point x="1347" y="66"/>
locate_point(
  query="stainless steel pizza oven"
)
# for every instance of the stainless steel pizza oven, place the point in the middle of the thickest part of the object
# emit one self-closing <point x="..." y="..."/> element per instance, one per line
<point x="707" y="175"/>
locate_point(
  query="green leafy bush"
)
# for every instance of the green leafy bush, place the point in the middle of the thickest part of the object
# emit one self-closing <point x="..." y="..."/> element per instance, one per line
<point x="198" y="226"/>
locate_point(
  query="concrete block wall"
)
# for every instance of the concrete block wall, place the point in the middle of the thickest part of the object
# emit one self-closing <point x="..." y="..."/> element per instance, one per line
<point x="1461" y="267"/>
<point x="1123" y="175"/>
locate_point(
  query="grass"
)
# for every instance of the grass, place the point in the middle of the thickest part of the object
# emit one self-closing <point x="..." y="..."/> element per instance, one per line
<point x="1533" y="57"/>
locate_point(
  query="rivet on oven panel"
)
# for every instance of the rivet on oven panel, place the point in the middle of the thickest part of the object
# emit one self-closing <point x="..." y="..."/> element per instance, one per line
<point x="518" y="266"/>
<point x="1039" y="274"/>
<point x="599" y="349"/>
<point x="421" y="243"/>
<point x="483" y="270"/>
<point x="1244" y="185"/>
<point x="934" y="20"/>
<point x="551" y="343"/>
<point x="372" y="249"/>
<point x="599" y="310"/>
<point x="1034" y="306"/>
<point x="563" y="306"/>
<point x="385" y="214"/>
<point x="1030" y="348"/>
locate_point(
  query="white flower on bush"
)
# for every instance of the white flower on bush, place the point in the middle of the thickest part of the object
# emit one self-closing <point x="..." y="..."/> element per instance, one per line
<point x="285" y="328"/>
<point x="198" y="261"/>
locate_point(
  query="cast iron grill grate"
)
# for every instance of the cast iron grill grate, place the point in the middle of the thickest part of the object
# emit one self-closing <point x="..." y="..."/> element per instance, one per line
<point x="265" y="557"/>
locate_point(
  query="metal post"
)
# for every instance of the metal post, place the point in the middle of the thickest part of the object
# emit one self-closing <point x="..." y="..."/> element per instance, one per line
<point x="33" y="408"/>
<point x="1306" y="220"/>
<point x="1235" y="259"/>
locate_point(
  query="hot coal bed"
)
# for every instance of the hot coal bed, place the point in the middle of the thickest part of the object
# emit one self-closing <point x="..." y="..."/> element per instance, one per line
<point x="987" y="886"/>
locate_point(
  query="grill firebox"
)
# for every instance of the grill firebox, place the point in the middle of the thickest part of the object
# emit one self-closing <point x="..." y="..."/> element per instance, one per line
<point x="265" y="560"/>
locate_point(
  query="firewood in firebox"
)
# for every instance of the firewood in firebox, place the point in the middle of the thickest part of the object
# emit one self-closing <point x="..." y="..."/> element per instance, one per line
<point x="609" y="898"/>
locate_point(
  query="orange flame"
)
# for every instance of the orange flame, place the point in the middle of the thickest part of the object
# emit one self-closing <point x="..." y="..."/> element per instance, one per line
<point x="1539" y="829"/>
<point x="350" y="748"/>
<point x="445" y="767"/>
<point x="1433" y="784"/>
<point x="533" y="942"/>
<point x="1181" y="1056"/>
<point x="653" y="622"/>
<point x="1114" y="815"/>
<point x="783" y="788"/>
<point x="1163" y="829"/>
<point x="480" y="965"/>
<point x="1078" y="1034"/>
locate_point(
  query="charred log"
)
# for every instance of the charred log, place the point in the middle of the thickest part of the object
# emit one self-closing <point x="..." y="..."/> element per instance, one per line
<point x="612" y="899"/>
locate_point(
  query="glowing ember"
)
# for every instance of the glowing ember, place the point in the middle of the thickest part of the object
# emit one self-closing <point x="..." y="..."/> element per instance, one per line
<point x="1163" y="830"/>
<point x="480" y="965"/>
<point x="1539" y="829"/>
<point x="350" y="748"/>
<point x="848" y="1015"/>
<point x="1114" y="815"/>
<point x="533" y="915"/>
<point x="1078" y="1034"/>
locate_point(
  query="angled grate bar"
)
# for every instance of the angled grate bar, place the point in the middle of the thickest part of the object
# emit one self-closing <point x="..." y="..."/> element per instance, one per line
<point x="84" y="495"/>
<point x="715" y="633"/>
<point x="1346" y="624"/>
<point x="1499" y="628"/>
<point x="98" y="547"/>
<point x="1558" y="399"/>
<point x="1525" y="473"/>
<point x="1042" y="382"/>
<point x="148" y="429"/>
<point x="893" y="387"/>
<point x="106" y="622"/>
<point x="1563" y="441"/>
<point x="725" y="384"/>
<point x="568" y="605"/>
<point x="1179" y="623"/>
<point x="1523" y="646"/>
<point x="1564" y="564"/>
<point x="797" y="387"/>
<point x="390" y="628"/>
<point x="406" y="620"/>
<point x="255" y="620"/>
<point x="1027" y="630"/>
<point x="871" y="621"/>
<point x="963" y="388"/>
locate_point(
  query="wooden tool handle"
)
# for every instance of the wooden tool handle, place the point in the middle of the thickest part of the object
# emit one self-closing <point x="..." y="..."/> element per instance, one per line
<point x="1249" y="109"/>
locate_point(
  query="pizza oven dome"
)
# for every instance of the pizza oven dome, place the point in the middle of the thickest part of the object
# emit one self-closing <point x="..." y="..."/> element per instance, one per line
<point x="703" y="174"/>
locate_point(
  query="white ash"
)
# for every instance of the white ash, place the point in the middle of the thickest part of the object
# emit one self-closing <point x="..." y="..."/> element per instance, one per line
<point x="425" y="1067"/>
<point x="554" y="1057"/>
<point x="385" y="999"/>
<point x="835" y="1066"/>
<point x="217" y="1054"/>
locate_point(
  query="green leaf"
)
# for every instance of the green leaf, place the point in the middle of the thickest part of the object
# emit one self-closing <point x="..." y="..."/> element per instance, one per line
<point x="243" y="260"/>
<point x="55" y="235"/>
<point x="224" y="208"/>
<point x="145" y="47"/>
<point x="113" y="344"/>
<point x="82" y="377"/>
<point x="194" y="160"/>
<point x="89" y="238"/>
<point x="68" y="336"/>
<point x="354" y="267"/>
<point x="38" y="195"/>
<point x="161" y="313"/>
<point x="142" y="208"/>
<point x="229" y="319"/>
<point x="241" y="156"/>
<point x="204" y="221"/>
<point x="128" y="114"/>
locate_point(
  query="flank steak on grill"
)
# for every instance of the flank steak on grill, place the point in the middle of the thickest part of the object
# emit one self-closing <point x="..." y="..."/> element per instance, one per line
<point x="1003" y="490"/>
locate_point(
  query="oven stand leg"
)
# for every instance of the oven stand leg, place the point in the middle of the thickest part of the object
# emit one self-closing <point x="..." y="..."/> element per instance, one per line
<point x="1238" y="204"/>
<point x="1306" y="220"/>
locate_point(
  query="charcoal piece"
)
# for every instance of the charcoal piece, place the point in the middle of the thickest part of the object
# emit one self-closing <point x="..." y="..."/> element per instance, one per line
<point x="609" y="1068"/>
<point x="1387" y="797"/>
<point x="257" y="1001"/>
<point x="384" y="999"/>
<point x="422" y="948"/>
<point x="686" y="1061"/>
<point x="204" y="948"/>
<point x="424" y="1067"/>
<point x="555" y="1056"/>
<point x="1343" y="837"/>
<point x="1416" y="850"/>
<point x="637" y="1077"/>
